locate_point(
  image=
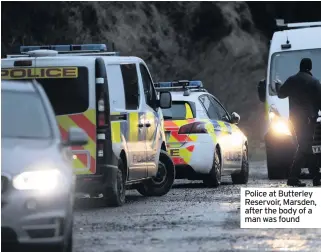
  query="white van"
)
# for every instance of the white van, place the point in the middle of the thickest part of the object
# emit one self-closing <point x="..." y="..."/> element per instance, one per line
<point x="113" y="99"/>
<point x="288" y="46"/>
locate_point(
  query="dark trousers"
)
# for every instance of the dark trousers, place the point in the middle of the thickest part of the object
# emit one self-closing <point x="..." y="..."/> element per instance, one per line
<point x="304" y="135"/>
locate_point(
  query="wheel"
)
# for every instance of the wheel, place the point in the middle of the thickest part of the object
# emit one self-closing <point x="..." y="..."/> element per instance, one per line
<point x="162" y="183"/>
<point x="277" y="167"/>
<point x="115" y="194"/>
<point x="214" y="178"/>
<point x="242" y="177"/>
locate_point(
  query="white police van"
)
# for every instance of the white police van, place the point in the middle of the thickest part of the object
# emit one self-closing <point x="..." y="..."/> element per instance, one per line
<point x="114" y="100"/>
<point x="288" y="46"/>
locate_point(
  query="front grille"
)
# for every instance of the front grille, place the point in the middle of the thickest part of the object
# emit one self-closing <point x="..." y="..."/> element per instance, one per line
<point x="4" y="183"/>
<point x="317" y="135"/>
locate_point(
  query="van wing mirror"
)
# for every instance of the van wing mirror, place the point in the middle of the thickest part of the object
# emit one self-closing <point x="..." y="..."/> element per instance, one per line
<point x="261" y="89"/>
<point x="165" y="100"/>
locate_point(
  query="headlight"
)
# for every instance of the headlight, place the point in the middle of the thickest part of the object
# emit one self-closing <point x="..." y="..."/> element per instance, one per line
<point x="37" y="180"/>
<point x="281" y="127"/>
<point x="272" y="115"/>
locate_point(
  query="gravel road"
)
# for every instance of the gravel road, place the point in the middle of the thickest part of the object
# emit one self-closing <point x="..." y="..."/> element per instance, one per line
<point x="189" y="218"/>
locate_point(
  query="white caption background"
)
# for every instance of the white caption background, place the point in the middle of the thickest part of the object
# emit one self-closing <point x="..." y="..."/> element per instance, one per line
<point x="279" y="208"/>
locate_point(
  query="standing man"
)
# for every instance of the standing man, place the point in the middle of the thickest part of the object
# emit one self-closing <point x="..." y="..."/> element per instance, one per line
<point x="304" y="92"/>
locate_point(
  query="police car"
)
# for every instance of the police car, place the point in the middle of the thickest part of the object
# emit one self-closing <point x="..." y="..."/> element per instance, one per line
<point x="113" y="99"/>
<point x="286" y="51"/>
<point x="203" y="139"/>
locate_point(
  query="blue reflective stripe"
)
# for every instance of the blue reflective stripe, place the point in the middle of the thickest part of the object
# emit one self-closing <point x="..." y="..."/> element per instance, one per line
<point x="229" y="128"/>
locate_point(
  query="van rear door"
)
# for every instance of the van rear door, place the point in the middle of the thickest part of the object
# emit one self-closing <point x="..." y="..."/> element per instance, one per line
<point x="70" y="86"/>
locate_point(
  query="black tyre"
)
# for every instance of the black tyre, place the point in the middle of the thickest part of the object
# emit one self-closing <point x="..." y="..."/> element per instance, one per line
<point x="242" y="177"/>
<point x="277" y="167"/>
<point x="68" y="246"/>
<point x="162" y="183"/>
<point x="115" y="194"/>
<point x="214" y="178"/>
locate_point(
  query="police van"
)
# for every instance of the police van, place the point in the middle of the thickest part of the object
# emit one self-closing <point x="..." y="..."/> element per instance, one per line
<point x="288" y="46"/>
<point x="113" y="99"/>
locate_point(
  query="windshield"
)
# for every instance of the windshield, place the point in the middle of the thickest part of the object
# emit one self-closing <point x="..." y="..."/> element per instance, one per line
<point x="178" y="111"/>
<point x="285" y="64"/>
<point x="23" y="115"/>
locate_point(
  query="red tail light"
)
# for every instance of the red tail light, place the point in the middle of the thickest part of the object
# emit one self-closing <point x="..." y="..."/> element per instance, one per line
<point x="193" y="128"/>
<point x="101" y="118"/>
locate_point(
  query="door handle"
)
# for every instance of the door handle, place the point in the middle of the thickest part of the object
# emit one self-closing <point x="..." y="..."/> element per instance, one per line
<point x="140" y="125"/>
<point x="147" y="125"/>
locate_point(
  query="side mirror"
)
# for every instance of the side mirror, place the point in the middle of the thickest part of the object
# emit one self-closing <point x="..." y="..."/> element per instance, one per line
<point x="261" y="88"/>
<point x="76" y="137"/>
<point x="165" y="100"/>
<point x="235" y="118"/>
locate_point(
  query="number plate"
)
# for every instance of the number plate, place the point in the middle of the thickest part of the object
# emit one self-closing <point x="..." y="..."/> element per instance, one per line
<point x="316" y="149"/>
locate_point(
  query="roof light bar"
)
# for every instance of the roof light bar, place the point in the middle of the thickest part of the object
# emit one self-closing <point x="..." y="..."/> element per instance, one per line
<point x="67" y="48"/>
<point x="180" y="84"/>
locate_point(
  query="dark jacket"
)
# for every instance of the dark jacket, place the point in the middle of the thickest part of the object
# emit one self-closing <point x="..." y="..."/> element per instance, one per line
<point x="304" y="92"/>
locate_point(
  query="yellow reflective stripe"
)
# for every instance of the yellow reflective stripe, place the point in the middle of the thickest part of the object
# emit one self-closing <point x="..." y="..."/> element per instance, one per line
<point x="116" y="132"/>
<point x="91" y="115"/>
<point x="78" y="164"/>
<point x="133" y="127"/>
<point x="189" y="113"/>
<point x="185" y="154"/>
<point x="224" y="128"/>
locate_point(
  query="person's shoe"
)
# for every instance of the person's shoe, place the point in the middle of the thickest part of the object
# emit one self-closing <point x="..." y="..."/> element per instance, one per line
<point x="316" y="181"/>
<point x="295" y="183"/>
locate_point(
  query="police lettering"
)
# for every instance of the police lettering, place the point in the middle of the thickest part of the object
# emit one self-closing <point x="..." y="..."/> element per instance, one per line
<point x="39" y="73"/>
<point x="142" y="158"/>
<point x="174" y="152"/>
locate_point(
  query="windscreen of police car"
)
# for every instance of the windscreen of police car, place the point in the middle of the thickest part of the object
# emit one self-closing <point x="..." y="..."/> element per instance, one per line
<point x="286" y="64"/>
<point x="24" y="116"/>
<point x="178" y="111"/>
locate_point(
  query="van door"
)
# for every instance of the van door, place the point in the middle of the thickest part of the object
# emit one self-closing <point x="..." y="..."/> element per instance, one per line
<point x="234" y="144"/>
<point x="127" y="115"/>
<point x="152" y="122"/>
<point x="67" y="84"/>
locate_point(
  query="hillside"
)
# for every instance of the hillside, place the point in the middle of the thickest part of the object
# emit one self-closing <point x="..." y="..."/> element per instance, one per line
<point x="224" y="44"/>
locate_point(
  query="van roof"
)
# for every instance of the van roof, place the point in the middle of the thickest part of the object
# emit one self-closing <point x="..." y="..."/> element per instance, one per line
<point x="300" y="39"/>
<point x="108" y="59"/>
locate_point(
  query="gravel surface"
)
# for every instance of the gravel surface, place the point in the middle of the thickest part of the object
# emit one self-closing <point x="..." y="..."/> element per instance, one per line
<point x="189" y="218"/>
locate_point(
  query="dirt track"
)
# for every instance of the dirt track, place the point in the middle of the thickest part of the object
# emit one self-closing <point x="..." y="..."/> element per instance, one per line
<point x="190" y="218"/>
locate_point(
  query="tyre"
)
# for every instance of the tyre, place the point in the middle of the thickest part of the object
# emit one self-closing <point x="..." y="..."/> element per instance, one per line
<point x="68" y="246"/>
<point x="115" y="194"/>
<point x="242" y="177"/>
<point x="214" y="178"/>
<point x="278" y="167"/>
<point x="162" y="183"/>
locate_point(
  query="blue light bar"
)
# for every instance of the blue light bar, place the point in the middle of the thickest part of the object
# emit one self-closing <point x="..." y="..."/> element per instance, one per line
<point x="66" y="48"/>
<point x="181" y="83"/>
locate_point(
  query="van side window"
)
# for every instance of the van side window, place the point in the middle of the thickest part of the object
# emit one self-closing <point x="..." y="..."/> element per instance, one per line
<point x="149" y="90"/>
<point x="130" y="79"/>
